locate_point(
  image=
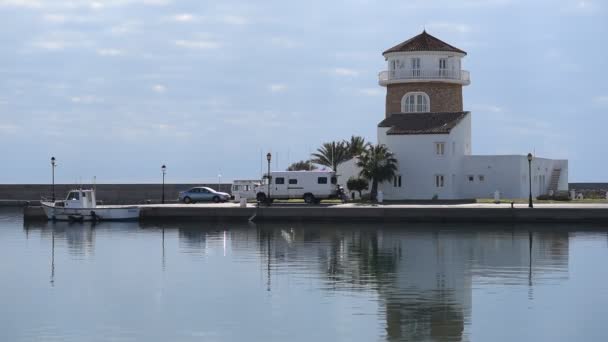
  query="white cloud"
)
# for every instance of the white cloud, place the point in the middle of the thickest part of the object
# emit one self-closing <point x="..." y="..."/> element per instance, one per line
<point x="284" y="42"/>
<point x="447" y="27"/>
<point x="344" y="72"/>
<point x="8" y="128"/>
<point x="371" y="92"/>
<point x="60" y="40"/>
<point x="55" y="18"/>
<point x="86" y="99"/>
<point x="125" y="28"/>
<point x="234" y="20"/>
<point x="487" y="108"/>
<point x="159" y="88"/>
<point x="276" y="88"/>
<point x="183" y="17"/>
<point x="198" y="44"/>
<point x="76" y="4"/>
<point x="601" y="101"/>
<point x="109" y="52"/>
<point x="49" y="45"/>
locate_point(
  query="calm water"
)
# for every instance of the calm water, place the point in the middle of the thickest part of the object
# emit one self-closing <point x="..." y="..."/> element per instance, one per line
<point x="239" y="282"/>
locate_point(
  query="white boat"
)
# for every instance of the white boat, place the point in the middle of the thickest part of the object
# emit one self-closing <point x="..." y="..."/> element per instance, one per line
<point x="81" y="205"/>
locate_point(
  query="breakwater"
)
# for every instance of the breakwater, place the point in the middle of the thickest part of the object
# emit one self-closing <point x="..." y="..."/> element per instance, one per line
<point x="474" y="213"/>
<point x="18" y="194"/>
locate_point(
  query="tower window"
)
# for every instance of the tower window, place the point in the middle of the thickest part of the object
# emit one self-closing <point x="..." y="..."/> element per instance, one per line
<point x="415" y="102"/>
<point x="416" y="67"/>
<point x="440" y="148"/>
<point x="443" y="67"/>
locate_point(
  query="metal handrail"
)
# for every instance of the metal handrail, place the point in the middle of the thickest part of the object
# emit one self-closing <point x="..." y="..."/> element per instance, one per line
<point x="422" y="74"/>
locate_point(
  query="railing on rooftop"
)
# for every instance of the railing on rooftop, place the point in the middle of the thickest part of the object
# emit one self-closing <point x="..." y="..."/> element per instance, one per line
<point x="424" y="74"/>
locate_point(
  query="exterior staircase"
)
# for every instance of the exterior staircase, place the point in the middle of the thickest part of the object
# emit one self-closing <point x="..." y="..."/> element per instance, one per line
<point x="554" y="181"/>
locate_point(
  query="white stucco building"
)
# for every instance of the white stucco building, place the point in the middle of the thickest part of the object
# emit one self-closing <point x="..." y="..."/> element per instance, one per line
<point x="429" y="132"/>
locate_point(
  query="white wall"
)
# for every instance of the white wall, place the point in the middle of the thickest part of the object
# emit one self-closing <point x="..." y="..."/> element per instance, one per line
<point x="419" y="163"/>
<point x="428" y="60"/>
<point x="509" y="175"/>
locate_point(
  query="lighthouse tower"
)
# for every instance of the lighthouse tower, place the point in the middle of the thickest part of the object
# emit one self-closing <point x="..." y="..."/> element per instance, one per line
<point x="425" y="125"/>
<point x="427" y="70"/>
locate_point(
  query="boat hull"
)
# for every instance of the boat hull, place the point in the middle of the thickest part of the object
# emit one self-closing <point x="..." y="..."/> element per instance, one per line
<point x="100" y="213"/>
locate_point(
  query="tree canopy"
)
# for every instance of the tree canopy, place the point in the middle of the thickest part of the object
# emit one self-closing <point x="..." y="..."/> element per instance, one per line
<point x="378" y="165"/>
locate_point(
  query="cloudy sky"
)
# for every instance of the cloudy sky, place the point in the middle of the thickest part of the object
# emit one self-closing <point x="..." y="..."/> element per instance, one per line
<point x="116" y="88"/>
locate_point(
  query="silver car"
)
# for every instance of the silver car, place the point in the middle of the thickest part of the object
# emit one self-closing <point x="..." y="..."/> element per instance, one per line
<point x="202" y="194"/>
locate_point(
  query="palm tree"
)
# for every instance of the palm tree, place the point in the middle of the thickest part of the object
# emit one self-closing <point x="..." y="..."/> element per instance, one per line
<point x="378" y="165"/>
<point x="302" y="165"/>
<point x="356" y="145"/>
<point x="331" y="154"/>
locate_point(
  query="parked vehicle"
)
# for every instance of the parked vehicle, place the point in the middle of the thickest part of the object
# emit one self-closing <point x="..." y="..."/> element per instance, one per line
<point x="311" y="186"/>
<point x="245" y="188"/>
<point x="81" y="205"/>
<point x="202" y="194"/>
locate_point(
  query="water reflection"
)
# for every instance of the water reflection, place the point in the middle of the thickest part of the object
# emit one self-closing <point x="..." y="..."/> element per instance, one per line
<point x="421" y="278"/>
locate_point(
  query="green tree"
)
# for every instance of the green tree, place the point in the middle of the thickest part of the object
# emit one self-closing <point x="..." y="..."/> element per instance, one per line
<point x="356" y="145"/>
<point x="378" y="165"/>
<point x="331" y="154"/>
<point x="357" y="184"/>
<point x="302" y="165"/>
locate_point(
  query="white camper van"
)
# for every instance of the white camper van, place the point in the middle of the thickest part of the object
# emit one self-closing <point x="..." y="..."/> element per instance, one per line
<point x="312" y="186"/>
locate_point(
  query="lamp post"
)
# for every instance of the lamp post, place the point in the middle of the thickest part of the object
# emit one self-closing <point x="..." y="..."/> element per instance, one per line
<point x="219" y="182"/>
<point x="268" y="158"/>
<point x="53" y="177"/>
<point x="164" y="171"/>
<point x="530" y="205"/>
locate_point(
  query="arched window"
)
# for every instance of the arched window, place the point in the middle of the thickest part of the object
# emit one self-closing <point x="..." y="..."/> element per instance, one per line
<point x="417" y="102"/>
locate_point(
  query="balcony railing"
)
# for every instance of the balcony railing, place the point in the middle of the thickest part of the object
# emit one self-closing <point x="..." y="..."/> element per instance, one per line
<point x="424" y="74"/>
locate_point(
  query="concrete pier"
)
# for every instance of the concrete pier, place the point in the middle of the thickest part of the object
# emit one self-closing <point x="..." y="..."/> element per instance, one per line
<point x="471" y="213"/>
<point x="11" y="194"/>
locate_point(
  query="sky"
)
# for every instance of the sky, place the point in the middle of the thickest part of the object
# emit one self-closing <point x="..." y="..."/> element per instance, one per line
<point x="115" y="89"/>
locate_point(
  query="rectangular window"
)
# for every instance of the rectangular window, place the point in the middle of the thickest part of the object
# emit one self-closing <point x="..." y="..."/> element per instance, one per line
<point x="439" y="181"/>
<point x="440" y="148"/>
<point x="397" y="181"/>
<point x="416" y="67"/>
<point x="293" y="181"/>
<point x="443" y="67"/>
<point x="322" y="180"/>
<point x="279" y="180"/>
<point x="334" y="180"/>
<point x="482" y="178"/>
<point x="471" y="178"/>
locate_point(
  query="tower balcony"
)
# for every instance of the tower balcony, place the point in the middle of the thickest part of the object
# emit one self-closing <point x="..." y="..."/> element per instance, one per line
<point x="424" y="75"/>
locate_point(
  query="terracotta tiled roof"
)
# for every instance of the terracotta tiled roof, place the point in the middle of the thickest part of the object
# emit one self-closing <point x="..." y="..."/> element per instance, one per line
<point x="423" y="42"/>
<point x="422" y="123"/>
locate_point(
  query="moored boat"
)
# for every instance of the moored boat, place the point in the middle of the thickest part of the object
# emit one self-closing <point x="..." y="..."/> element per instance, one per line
<point x="81" y="205"/>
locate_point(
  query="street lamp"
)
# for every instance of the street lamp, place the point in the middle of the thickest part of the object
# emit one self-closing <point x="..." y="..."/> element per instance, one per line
<point x="164" y="171"/>
<point x="53" y="176"/>
<point x="530" y="205"/>
<point x="219" y="182"/>
<point x="268" y="158"/>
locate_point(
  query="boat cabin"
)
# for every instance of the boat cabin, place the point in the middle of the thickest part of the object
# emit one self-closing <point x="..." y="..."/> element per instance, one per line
<point x="80" y="199"/>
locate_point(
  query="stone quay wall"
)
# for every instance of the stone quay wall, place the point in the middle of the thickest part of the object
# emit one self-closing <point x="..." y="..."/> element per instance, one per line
<point x="18" y="194"/>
